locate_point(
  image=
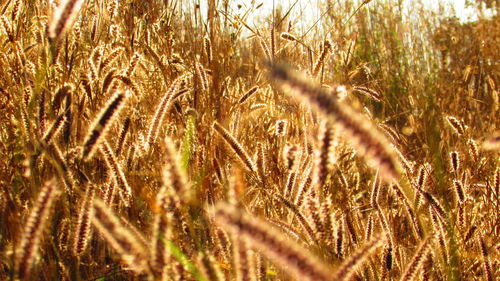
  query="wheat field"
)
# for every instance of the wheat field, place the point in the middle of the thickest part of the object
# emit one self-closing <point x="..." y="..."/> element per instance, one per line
<point x="179" y="140"/>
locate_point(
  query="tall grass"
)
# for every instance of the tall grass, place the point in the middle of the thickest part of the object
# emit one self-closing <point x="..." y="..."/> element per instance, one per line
<point x="164" y="140"/>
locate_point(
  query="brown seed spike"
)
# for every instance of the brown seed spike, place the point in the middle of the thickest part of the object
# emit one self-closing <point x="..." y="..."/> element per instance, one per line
<point x="281" y="127"/>
<point x="132" y="65"/>
<point x="173" y="174"/>
<point x="207" y="44"/>
<point x="339" y="237"/>
<point x="41" y="112"/>
<point x="285" y="253"/>
<point x="346" y="270"/>
<point x="456" y="124"/>
<point x="236" y="146"/>
<point x="248" y="94"/>
<point x="54" y="129"/>
<point x="486" y="261"/>
<point x="439" y="234"/>
<point x="420" y="184"/>
<point x="112" y="56"/>
<point x="459" y="191"/>
<point x="369" y="92"/>
<point x="434" y="204"/>
<point x="201" y="75"/>
<point x="162" y="109"/>
<point x="326" y="157"/>
<point x="119" y="237"/>
<point x="108" y="78"/>
<point x="304" y="185"/>
<point x="15" y="10"/>
<point x="101" y="124"/>
<point x="119" y="177"/>
<point x="417" y="261"/>
<point x="369" y="228"/>
<point x="422" y="177"/>
<point x="288" y="36"/>
<point x="63" y="18"/>
<point x="28" y="247"/>
<point x="265" y="49"/>
<point x="82" y="233"/>
<point x="363" y="133"/>
<point x="327" y="46"/>
<point x="121" y="138"/>
<point x="454" y="161"/>
<point x="473" y="150"/>
<point x="60" y="95"/>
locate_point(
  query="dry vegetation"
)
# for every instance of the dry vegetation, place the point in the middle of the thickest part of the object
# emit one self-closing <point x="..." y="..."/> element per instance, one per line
<point x="159" y="140"/>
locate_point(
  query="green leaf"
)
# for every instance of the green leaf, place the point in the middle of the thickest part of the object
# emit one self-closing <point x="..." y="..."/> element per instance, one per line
<point x="181" y="257"/>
